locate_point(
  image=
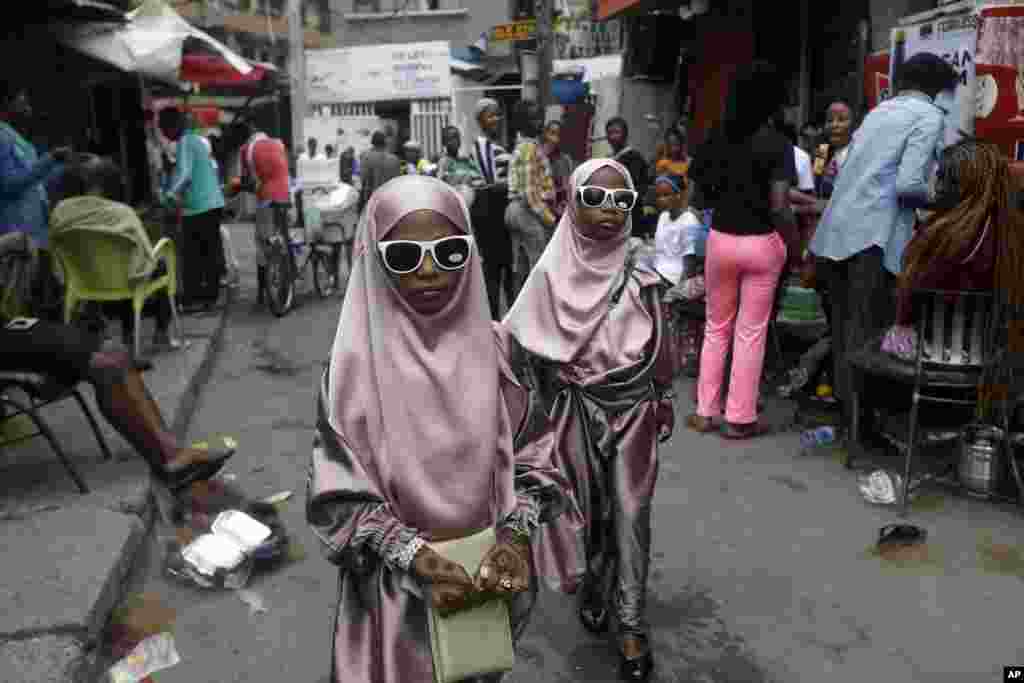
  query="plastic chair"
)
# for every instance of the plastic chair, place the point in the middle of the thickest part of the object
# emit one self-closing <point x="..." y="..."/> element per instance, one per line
<point x="955" y="345"/>
<point x="98" y="267"/>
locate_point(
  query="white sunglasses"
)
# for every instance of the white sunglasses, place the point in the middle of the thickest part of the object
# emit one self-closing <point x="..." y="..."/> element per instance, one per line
<point x="596" y="197"/>
<point x="406" y="256"/>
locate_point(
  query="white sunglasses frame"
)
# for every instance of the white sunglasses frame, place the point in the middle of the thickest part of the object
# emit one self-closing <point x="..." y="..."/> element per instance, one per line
<point x="425" y="248"/>
<point x="608" y="201"/>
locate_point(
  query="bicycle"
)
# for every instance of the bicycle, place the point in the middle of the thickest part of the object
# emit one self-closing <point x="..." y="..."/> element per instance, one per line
<point x="283" y="254"/>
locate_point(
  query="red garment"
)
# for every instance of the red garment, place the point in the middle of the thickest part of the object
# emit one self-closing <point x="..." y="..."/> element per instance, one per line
<point x="270" y="162"/>
<point x="971" y="270"/>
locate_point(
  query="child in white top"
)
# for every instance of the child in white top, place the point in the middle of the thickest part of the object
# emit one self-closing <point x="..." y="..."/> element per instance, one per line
<point x="679" y="230"/>
<point x="676" y="243"/>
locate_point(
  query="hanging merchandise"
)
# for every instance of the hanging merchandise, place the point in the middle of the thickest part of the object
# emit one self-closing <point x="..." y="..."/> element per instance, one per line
<point x="1000" y="92"/>
<point x="952" y="37"/>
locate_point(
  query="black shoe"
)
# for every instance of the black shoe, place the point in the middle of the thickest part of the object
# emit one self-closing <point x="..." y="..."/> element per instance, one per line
<point x="201" y="471"/>
<point x="638" y="670"/>
<point x="594" y="619"/>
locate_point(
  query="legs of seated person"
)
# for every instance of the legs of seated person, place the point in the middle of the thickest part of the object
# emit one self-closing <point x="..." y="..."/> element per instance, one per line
<point x="72" y="356"/>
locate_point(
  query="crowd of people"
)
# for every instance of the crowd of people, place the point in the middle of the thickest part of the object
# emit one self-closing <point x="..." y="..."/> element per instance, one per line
<point x="534" y="431"/>
<point x="584" y="360"/>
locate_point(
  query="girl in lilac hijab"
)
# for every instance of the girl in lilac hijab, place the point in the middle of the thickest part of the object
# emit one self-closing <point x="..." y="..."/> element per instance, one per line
<point x="589" y="319"/>
<point x="424" y="434"/>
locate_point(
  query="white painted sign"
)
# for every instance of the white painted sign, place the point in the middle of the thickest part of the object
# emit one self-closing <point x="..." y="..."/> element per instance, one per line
<point x="378" y="73"/>
<point x="954" y="39"/>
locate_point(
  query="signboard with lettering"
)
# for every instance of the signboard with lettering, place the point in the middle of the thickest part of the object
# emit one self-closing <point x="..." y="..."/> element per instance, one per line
<point x="377" y="73"/>
<point x="953" y="38"/>
<point x="519" y="30"/>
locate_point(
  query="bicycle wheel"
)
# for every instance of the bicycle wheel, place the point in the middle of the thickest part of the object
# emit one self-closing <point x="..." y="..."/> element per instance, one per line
<point x="325" y="270"/>
<point x="279" y="282"/>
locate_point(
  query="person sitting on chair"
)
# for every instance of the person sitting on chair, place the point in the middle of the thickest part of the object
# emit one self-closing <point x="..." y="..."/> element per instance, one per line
<point x="973" y="241"/>
<point x="91" y="190"/>
<point x="70" y="356"/>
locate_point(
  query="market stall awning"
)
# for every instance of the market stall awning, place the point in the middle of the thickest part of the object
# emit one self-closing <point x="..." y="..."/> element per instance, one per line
<point x="213" y="71"/>
<point x="151" y="43"/>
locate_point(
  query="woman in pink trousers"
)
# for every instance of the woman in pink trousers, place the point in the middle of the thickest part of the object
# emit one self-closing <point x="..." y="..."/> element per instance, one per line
<point x="744" y="173"/>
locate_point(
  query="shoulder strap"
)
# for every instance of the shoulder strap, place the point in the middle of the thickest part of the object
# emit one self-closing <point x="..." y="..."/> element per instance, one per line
<point x="627" y="273"/>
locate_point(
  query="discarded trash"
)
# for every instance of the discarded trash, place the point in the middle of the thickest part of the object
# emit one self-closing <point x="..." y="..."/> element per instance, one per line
<point x="814" y="438"/>
<point x="278" y="498"/>
<point x="254" y="600"/>
<point x="224" y="558"/>
<point x="153" y="654"/>
<point x="140" y="616"/>
<point x="882" y="487"/>
<point x="228" y="476"/>
<point x="258" y="468"/>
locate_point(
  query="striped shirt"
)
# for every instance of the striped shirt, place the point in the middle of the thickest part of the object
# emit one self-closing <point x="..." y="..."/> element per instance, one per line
<point x="492" y="159"/>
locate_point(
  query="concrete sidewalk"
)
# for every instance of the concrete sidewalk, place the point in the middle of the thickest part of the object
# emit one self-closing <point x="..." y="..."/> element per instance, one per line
<point x="66" y="554"/>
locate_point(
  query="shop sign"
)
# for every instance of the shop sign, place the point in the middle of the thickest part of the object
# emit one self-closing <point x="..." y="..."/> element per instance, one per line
<point x="954" y="39"/>
<point x="519" y="30"/>
<point x="376" y="73"/>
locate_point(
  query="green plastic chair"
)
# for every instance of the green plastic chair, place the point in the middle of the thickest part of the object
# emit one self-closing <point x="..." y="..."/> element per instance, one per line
<point x="98" y="267"/>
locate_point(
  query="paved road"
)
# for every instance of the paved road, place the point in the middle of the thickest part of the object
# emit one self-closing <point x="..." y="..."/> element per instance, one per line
<point x="760" y="565"/>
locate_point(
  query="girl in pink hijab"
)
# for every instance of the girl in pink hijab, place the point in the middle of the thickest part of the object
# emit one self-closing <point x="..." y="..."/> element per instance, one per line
<point x="589" y="320"/>
<point x="424" y="434"/>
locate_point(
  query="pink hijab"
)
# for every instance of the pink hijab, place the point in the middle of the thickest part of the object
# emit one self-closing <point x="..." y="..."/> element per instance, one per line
<point x="416" y="397"/>
<point x="567" y="294"/>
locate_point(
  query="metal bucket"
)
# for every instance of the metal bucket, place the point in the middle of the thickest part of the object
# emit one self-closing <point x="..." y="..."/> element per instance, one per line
<point x="981" y="468"/>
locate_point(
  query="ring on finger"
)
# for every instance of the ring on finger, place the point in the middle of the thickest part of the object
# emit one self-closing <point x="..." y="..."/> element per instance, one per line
<point x="506" y="583"/>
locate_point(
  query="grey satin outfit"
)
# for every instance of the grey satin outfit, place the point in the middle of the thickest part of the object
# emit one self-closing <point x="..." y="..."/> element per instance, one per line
<point x="380" y="631"/>
<point x="602" y="407"/>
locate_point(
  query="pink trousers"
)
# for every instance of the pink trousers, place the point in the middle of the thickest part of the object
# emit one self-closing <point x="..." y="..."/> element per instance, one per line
<point x="742" y="273"/>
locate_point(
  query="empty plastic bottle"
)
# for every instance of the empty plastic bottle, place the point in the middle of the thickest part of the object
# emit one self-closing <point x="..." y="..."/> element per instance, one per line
<point x="815" y="438"/>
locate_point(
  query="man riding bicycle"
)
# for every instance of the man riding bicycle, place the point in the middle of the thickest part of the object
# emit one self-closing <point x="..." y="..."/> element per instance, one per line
<point x="264" y="171"/>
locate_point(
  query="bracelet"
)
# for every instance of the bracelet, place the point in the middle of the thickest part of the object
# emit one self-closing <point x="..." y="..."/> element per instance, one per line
<point x="408" y="553"/>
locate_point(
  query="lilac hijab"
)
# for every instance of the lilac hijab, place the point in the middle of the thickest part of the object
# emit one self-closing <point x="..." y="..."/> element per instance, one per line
<point x="566" y="296"/>
<point x="417" y="398"/>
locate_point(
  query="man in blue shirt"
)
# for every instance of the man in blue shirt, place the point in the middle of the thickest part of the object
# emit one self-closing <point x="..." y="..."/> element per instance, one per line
<point x="195" y="187"/>
<point x="24" y="205"/>
<point x="868" y="222"/>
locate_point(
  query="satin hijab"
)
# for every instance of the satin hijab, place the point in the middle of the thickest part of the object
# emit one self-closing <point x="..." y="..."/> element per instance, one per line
<point x="416" y="397"/>
<point x="566" y="297"/>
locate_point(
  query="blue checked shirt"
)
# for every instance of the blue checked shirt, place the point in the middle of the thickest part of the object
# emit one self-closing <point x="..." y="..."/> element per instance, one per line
<point x="892" y="156"/>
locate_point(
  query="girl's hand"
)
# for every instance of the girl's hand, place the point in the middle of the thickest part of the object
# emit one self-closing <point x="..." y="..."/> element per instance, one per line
<point x="450" y="587"/>
<point x="665" y="417"/>
<point x="505" y="570"/>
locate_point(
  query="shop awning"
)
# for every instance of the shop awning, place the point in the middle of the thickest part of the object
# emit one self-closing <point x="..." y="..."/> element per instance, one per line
<point x="151" y="43"/>
<point x="213" y="71"/>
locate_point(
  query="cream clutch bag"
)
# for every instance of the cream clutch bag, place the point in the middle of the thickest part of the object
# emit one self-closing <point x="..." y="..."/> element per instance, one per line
<point x="477" y="641"/>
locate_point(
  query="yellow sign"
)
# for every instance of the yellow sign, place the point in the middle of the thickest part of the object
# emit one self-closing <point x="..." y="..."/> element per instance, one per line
<point x="519" y="30"/>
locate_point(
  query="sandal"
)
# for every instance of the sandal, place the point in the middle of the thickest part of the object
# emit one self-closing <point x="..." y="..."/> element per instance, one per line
<point x="901" y="534"/>
<point x="701" y="424"/>
<point x="636" y="668"/>
<point x="738" y="432"/>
